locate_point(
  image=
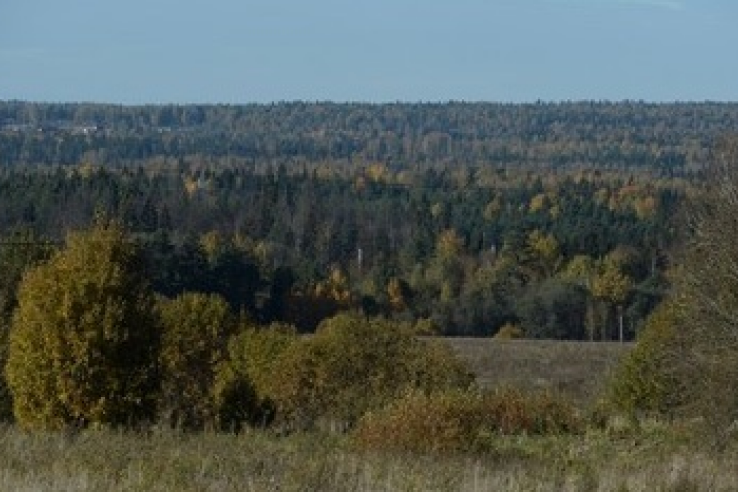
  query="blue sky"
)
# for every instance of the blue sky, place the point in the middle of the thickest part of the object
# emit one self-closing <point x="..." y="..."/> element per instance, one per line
<point x="240" y="51"/>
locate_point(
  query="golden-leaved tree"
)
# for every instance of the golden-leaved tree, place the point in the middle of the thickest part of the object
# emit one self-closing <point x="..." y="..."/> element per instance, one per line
<point x="84" y="337"/>
<point x="196" y="329"/>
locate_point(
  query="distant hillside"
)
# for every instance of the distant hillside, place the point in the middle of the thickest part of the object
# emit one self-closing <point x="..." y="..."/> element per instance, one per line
<point x="577" y="369"/>
<point x="673" y="137"/>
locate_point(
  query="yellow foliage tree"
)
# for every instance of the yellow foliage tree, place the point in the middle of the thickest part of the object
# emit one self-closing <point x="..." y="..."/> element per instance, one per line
<point x="84" y="338"/>
<point x="196" y="331"/>
<point x="398" y="292"/>
<point x="449" y="244"/>
<point x="613" y="286"/>
<point x="544" y="252"/>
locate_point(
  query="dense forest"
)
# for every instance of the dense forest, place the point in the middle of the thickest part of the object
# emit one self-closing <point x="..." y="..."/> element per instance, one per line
<point x="666" y="137"/>
<point x="545" y="220"/>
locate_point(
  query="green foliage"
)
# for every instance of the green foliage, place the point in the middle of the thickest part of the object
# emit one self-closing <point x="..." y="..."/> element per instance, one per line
<point x="19" y="250"/>
<point x="647" y="382"/>
<point x="559" y="134"/>
<point x="196" y="329"/>
<point x="553" y="309"/>
<point x="353" y="364"/>
<point x="245" y="381"/>
<point x="84" y="337"/>
<point x="462" y="420"/>
<point x="423" y="232"/>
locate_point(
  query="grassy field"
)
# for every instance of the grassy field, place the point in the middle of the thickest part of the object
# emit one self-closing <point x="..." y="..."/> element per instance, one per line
<point x="651" y="460"/>
<point x="575" y="369"/>
<point x="620" y="457"/>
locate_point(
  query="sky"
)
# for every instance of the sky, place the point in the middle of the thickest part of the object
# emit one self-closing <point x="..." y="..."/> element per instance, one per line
<point x="244" y="51"/>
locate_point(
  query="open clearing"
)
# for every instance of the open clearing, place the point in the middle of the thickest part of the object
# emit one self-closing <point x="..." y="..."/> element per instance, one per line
<point x="575" y="369"/>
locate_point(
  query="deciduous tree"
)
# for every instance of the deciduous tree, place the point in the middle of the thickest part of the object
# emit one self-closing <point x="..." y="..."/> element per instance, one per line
<point x="84" y="338"/>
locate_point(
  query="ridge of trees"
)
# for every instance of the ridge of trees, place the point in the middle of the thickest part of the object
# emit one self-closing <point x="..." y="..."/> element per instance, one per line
<point x="671" y="138"/>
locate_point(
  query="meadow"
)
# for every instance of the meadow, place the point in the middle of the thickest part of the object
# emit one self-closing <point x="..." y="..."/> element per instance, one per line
<point x="655" y="458"/>
<point x="578" y="370"/>
<point x="612" y="456"/>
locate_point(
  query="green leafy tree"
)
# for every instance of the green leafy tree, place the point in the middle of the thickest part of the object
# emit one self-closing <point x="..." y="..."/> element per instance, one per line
<point x="84" y="338"/>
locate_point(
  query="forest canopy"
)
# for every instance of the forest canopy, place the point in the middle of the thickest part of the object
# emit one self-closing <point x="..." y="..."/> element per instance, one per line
<point x="667" y="137"/>
<point x="553" y="219"/>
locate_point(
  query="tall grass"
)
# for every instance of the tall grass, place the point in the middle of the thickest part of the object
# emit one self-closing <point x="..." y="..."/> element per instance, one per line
<point x="260" y="461"/>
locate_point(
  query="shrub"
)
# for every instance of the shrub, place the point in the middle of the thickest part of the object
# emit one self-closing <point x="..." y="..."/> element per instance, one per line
<point x="244" y="383"/>
<point x="462" y="420"/>
<point x="353" y="364"/>
<point x="646" y="382"/>
<point x="510" y="411"/>
<point x="449" y="421"/>
<point x="84" y="337"/>
<point x="196" y="330"/>
<point x="509" y="331"/>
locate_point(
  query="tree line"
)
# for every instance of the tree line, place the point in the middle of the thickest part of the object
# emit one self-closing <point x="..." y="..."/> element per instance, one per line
<point x="465" y="251"/>
<point x="669" y="138"/>
<point x="90" y="343"/>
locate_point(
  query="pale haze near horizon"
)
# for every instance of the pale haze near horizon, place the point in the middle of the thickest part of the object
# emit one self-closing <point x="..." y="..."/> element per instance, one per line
<point x="229" y="51"/>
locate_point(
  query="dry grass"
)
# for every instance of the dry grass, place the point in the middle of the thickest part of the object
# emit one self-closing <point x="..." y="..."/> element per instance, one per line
<point x="258" y="461"/>
<point x="575" y="369"/>
<point x="652" y="458"/>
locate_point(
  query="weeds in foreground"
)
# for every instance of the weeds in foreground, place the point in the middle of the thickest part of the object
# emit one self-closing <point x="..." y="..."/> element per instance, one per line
<point x="643" y="460"/>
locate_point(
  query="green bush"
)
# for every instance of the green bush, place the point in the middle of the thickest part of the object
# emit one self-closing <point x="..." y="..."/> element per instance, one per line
<point x="353" y="364"/>
<point x="647" y="381"/>
<point x="244" y="383"/>
<point x="462" y="420"/>
<point x="196" y="331"/>
<point x="84" y="338"/>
